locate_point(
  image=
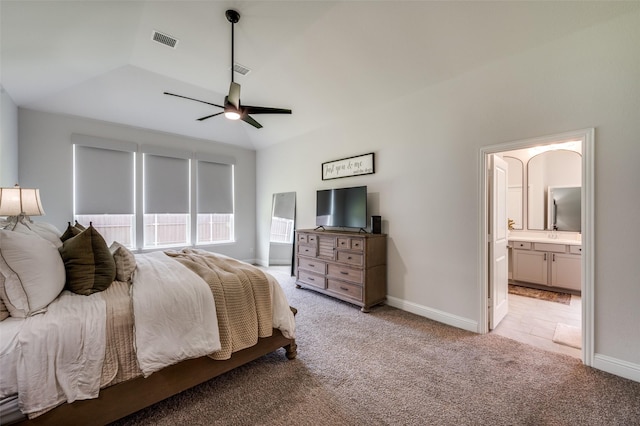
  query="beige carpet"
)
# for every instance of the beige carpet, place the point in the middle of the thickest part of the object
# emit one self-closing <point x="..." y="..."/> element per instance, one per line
<point x="568" y="335"/>
<point x="390" y="367"/>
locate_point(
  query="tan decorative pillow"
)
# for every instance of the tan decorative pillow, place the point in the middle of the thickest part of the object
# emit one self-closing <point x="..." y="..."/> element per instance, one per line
<point x="125" y="261"/>
<point x="88" y="262"/>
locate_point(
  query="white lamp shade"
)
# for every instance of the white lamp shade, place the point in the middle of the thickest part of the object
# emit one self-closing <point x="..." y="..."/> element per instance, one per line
<point x="16" y="201"/>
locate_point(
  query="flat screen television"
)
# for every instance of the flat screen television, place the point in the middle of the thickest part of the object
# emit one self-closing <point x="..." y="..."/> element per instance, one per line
<point x="342" y="207"/>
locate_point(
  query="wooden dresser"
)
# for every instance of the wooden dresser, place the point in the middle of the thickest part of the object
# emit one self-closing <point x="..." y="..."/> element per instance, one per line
<point x="350" y="266"/>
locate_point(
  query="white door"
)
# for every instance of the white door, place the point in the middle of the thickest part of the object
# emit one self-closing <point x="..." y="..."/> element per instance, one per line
<point x="498" y="239"/>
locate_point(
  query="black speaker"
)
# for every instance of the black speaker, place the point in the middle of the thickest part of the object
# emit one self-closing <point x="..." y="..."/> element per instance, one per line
<point x="376" y="225"/>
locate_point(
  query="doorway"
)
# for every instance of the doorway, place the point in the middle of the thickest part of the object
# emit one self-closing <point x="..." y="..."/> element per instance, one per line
<point x="585" y="138"/>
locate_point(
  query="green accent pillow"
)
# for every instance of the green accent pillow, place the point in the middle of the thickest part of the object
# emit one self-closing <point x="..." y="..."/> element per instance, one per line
<point x="71" y="231"/>
<point x="88" y="262"/>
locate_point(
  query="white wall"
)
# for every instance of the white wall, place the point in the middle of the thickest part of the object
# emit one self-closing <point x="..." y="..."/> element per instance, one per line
<point x="425" y="186"/>
<point x="46" y="163"/>
<point x="8" y="140"/>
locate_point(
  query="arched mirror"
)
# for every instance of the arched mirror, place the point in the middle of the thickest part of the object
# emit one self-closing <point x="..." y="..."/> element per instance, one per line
<point x="283" y="225"/>
<point x="549" y="174"/>
<point x="514" y="196"/>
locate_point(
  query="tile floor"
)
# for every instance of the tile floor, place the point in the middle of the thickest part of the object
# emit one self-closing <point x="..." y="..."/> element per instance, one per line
<point x="533" y="321"/>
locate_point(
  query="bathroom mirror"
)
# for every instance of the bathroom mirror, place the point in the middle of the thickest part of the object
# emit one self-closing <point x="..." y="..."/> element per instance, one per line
<point x="514" y="187"/>
<point x="559" y="168"/>
<point x="283" y="217"/>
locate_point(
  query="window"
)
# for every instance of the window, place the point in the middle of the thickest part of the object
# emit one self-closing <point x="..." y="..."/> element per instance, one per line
<point x="178" y="200"/>
<point x="214" y="202"/>
<point x="166" y="201"/>
<point x="104" y="182"/>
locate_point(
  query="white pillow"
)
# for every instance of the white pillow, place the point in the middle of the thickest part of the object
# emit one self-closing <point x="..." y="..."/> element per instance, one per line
<point x="33" y="271"/>
<point x="41" y="229"/>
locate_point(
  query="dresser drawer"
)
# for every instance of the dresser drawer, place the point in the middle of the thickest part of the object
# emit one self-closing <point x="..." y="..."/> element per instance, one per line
<point x="351" y="243"/>
<point x="350" y="258"/>
<point x="351" y="291"/>
<point x="344" y="273"/>
<point x="302" y="238"/>
<point x="311" y="279"/>
<point x="307" y="250"/>
<point x="312" y="265"/>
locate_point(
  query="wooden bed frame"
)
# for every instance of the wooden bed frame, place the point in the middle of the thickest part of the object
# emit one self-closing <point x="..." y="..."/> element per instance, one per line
<point x="128" y="397"/>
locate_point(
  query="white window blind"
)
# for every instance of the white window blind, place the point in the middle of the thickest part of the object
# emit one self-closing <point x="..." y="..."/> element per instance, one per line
<point x="166" y="184"/>
<point x="104" y="180"/>
<point x="214" y="188"/>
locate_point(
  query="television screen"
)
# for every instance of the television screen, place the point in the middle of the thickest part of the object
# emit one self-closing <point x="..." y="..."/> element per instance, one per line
<point x="342" y="207"/>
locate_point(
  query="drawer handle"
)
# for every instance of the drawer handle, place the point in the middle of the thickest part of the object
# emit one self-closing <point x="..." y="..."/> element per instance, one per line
<point x="348" y="257"/>
<point x="344" y="288"/>
<point x="311" y="279"/>
<point x="344" y="273"/>
<point x="311" y="265"/>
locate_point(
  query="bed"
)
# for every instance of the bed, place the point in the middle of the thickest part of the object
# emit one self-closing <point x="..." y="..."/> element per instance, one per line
<point x="89" y="336"/>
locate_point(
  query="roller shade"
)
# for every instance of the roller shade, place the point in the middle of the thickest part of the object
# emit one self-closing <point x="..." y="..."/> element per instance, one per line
<point x="104" y="181"/>
<point x="166" y="184"/>
<point x="215" y="188"/>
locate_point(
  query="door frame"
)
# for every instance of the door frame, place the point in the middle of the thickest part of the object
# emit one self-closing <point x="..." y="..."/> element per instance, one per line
<point x="586" y="136"/>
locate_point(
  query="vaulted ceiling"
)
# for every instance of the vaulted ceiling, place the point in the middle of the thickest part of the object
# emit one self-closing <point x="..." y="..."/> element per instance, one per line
<point x="324" y="60"/>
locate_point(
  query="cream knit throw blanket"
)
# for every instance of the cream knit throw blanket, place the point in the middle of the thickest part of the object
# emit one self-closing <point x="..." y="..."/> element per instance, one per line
<point x="241" y="294"/>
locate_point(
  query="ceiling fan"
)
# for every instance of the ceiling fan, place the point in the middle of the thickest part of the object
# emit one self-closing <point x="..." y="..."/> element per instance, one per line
<point x="232" y="108"/>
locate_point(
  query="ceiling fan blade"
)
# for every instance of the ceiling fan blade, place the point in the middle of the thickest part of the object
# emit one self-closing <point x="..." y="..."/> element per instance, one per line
<point x="248" y="119"/>
<point x="264" y="110"/>
<point x="234" y="94"/>
<point x="192" y="99"/>
<point x="209" y="116"/>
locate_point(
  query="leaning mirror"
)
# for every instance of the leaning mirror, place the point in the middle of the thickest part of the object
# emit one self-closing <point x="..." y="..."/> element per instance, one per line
<point x="514" y="195"/>
<point x="283" y="217"/>
<point x="552" y="169"/>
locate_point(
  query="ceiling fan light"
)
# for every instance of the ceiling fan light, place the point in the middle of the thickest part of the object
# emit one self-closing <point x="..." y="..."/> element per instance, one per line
<point x="232" y="115"/>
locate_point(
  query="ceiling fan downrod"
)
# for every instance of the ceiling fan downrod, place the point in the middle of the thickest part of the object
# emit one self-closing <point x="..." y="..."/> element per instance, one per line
<point x="233" y="16"/>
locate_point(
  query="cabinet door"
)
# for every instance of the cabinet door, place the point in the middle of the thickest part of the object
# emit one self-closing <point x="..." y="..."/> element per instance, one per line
<point x="566" y="271"/>
<point x="530" y="266"/>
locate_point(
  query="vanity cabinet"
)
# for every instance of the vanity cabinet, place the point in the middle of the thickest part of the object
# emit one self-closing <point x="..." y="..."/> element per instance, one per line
<point x="349" y="266"/>
<point x="547" y="264"/>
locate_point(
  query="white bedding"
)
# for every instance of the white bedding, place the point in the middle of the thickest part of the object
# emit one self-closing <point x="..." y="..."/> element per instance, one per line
<point x="9" y="329"/>
<point x="180" y="325"/>
<point x="60" y="353"/>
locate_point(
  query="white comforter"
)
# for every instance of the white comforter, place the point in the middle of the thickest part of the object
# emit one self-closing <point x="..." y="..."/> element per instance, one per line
<point x="181" y="324"/>
<point x="60" y="352"/>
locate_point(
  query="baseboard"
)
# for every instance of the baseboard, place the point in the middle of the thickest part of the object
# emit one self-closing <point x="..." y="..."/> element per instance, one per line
<point x="625" y="369"/>
<point x="434" y="314"/>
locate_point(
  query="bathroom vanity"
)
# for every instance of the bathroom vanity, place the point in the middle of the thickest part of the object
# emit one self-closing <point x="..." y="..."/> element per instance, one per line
<point x="546" y="262"/>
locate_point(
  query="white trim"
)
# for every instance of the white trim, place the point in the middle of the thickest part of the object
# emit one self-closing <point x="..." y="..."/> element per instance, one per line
<point x="618" y="367"/>
<point x="434" y="314"/>
<point x="587" y="138"/>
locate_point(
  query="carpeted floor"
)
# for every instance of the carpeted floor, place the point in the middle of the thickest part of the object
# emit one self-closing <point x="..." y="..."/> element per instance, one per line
<point x="552" y="296"/>
<point x="390" y="367"/>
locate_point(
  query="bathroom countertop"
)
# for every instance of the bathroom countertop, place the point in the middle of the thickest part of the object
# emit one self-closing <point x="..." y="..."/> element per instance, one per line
<point x="545" y="239"/>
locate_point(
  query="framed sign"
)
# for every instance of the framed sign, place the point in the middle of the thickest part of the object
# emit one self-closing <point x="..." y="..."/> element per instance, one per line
<point x="352" y="166"/>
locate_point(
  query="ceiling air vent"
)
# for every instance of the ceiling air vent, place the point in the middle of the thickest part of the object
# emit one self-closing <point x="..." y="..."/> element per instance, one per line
<point x="241" y="69"/>
<point x="165" y="39"/>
